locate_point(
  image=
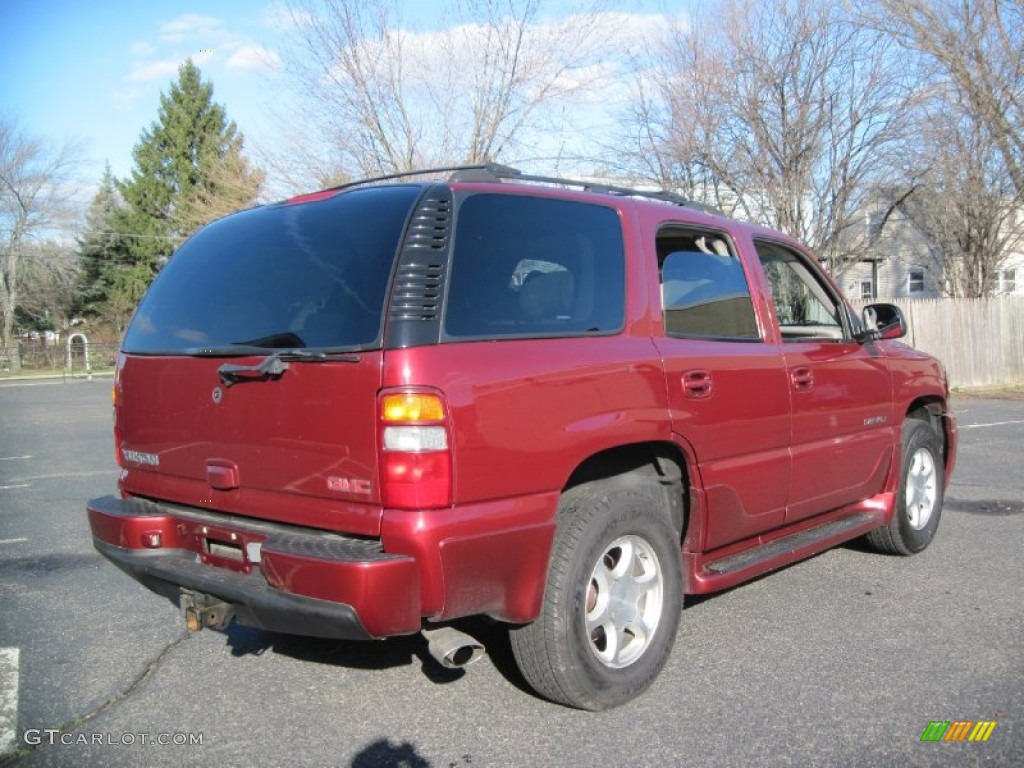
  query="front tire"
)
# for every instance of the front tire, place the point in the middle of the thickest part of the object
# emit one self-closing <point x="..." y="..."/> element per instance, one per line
<point x="612" y="603"/>
<point x="919" y="501"/>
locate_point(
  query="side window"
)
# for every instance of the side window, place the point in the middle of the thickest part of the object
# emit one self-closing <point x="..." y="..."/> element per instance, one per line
<point x="804" y="305"/>
<point x="529" y="266"/>
<point x="704" y="292"/>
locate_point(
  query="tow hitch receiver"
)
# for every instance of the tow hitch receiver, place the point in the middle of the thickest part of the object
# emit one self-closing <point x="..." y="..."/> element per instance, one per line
<point x="205" y="611"/>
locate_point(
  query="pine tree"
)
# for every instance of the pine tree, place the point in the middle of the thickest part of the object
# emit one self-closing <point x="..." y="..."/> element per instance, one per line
<point x="189" y="169"/>
<point x="100" y="248"/>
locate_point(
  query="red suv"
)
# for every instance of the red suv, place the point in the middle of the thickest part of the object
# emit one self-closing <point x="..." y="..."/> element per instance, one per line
<point x="371" y="410"/>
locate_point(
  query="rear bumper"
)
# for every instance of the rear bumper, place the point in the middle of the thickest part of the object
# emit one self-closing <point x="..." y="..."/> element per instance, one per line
<point x="277" y="578"/>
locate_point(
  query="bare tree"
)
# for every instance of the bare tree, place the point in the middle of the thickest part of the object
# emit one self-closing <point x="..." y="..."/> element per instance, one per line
<point x="230" y="183"/>
<point x="784" y="112"/>
<point x="49" y="282"/>
<point x="31" y="201"/>
<point x="966" y="207"/>
<point x="388" y="99"/>
<point x="966" y="58"/>
<point x="977" y="49"/>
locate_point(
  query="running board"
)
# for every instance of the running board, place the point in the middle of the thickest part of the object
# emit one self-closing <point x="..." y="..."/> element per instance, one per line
<point x="798" y="544"/>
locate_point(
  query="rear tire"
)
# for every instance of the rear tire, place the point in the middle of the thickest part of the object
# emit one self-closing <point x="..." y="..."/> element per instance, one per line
<point x="919" y="500"/>
<point x="612" y="602"/>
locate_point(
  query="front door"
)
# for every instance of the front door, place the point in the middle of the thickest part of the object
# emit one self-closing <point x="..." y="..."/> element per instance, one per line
<point x="843" y="424"/>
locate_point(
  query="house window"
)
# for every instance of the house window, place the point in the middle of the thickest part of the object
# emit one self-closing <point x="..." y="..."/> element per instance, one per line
<point x="1007" y="280"/>
<point x="915" y="280"/>
<point x="867" y="288"/>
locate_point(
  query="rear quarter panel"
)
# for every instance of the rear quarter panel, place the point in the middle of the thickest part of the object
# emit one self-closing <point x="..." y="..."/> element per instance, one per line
<point x="525" y="413"/>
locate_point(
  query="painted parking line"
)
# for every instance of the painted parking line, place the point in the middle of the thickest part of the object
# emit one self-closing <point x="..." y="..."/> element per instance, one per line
<point x="8" y="701"/>
<point x="26" y="482"/>
<point x="13" y="541"/>
<point x="59" y="475"/>
<point x="14" y="458"/>
<point x="991" y="424"/>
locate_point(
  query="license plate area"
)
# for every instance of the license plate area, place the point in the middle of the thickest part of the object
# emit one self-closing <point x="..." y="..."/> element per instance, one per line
<point x="227" y="549"/>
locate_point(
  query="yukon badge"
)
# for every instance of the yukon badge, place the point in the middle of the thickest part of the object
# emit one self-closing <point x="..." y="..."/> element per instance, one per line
<point x="138" y="457"/>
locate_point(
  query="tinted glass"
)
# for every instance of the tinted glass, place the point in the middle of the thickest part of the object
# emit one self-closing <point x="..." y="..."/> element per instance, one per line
<point x="704" y="292"/>
<point x="804" y="305"/>
<point x="310" y="274"/>
<point x="526" y="266"/>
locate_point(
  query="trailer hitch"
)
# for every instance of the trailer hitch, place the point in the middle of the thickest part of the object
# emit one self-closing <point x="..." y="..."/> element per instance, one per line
<point x="206" y="611"/>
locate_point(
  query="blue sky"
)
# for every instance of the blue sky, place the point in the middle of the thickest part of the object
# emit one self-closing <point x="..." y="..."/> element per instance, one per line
<point x="94" y="71"/>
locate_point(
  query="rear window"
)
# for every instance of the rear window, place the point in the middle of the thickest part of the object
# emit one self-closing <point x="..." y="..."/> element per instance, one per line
<point x="529" y="266"/>
<point x="290" y="275"/>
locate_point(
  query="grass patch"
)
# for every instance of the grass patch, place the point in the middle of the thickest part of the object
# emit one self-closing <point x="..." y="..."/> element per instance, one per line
<point x="1004" y="392"/>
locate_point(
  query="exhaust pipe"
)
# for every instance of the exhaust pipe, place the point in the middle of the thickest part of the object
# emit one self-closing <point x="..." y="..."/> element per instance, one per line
<point x="451" y="648"/>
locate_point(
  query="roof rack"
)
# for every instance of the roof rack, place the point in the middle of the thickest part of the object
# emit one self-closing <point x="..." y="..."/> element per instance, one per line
<point x="496" y="172"/>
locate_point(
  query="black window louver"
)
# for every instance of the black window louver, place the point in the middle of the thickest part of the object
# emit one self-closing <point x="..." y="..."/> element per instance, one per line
<point x="417" y="289"/>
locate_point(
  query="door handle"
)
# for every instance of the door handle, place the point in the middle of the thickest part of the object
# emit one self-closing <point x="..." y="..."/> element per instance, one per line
<point x="802" y="378"/>
<point x="697" y="384"/>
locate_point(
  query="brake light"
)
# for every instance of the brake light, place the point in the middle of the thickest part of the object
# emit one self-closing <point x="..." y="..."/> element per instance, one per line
<point x="416" y="461"/>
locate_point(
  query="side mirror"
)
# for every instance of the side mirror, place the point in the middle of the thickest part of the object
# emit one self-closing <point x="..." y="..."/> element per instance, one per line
<point x="883" y="321"/>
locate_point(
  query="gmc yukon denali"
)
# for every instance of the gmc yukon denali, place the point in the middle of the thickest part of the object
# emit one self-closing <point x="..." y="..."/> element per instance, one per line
<point x="372" y="410"/>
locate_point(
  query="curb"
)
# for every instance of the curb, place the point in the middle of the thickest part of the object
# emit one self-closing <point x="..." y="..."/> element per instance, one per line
<point x="53" y="377"/>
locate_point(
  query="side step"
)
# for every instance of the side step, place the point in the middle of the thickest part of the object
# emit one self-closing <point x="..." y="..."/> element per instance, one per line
<point x="791" y="544"/>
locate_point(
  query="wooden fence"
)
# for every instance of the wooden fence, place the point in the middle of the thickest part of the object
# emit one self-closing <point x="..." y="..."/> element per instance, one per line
<point x="981" y="341"/>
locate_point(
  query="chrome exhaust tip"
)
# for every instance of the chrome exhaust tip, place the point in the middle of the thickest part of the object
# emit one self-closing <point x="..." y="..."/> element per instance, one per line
<point x="451" y="648"/>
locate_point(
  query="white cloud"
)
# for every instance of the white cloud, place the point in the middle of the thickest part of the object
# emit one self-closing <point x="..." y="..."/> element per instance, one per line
<point x="251" y="58"/>
<point x="190" y="25"/>
<point x="141" y="48"/>
<point x="279" y="16"/>
<point x="154" y="70"/>
<point x="125" y="98"/>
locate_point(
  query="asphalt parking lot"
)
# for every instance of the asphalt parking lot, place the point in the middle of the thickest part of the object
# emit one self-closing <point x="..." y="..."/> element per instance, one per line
<point x="841" y="660"/>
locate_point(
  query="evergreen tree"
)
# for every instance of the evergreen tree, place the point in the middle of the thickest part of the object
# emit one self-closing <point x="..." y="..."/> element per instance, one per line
<point x="189" y="169"/>
<point x="100" y="248"/>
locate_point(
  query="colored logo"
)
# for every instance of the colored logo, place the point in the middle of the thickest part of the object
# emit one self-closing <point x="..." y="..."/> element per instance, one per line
<point x="958" y="730"/>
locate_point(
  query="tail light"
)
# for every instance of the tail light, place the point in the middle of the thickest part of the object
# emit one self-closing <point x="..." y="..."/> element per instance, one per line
<point x="115" y="399"/>
<point x="416" y="458"/>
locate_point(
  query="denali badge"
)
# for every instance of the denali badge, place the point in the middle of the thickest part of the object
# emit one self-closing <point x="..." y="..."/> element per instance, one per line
<point x="139" y="457"/>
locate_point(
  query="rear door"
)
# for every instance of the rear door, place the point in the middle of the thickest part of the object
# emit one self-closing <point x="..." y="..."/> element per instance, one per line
<point x="249" y="374"/>
<point x="727" y="388"/>
<point x="297" y="448"/>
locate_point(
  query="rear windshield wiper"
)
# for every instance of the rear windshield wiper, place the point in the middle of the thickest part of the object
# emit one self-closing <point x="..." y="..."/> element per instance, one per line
<point x="275" y="364"/>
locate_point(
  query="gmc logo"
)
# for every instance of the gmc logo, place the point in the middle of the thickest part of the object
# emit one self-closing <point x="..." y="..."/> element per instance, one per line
<point x="349" y="485"/>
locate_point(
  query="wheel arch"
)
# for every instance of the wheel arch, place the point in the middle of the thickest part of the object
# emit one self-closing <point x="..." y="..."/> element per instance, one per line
<point x="638" y="464"/>
<point x="933" y="411"/>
